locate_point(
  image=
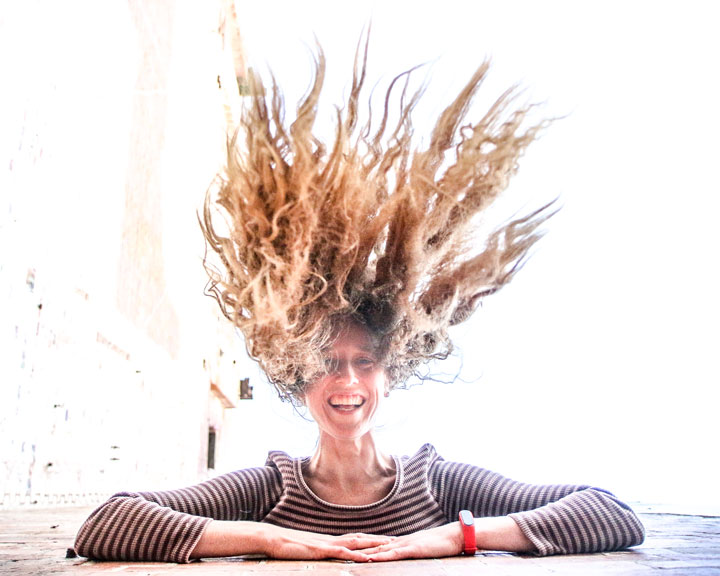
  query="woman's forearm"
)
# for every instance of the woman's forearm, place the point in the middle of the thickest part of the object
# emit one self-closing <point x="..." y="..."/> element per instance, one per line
<point x="501" y="533"/>
<point x="224" y="538"/>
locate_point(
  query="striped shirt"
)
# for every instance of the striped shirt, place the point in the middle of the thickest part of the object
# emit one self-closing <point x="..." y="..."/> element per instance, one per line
<point x="428" y="492"/>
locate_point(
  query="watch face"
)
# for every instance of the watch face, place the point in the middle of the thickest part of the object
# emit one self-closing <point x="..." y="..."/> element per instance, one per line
<point x="466" y="518"/>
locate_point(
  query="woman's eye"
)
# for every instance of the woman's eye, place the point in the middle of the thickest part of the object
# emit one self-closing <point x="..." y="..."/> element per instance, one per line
<point x="365" y="362"/>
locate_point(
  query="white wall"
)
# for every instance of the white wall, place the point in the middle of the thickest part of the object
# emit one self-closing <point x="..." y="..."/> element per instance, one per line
<point x="599" y="364"/>
<point x="113" y="126"/>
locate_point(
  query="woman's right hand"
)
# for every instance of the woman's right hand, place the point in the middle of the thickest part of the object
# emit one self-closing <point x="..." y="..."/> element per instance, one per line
<point x="297" y="544"/>
<point x="222" y="538"/>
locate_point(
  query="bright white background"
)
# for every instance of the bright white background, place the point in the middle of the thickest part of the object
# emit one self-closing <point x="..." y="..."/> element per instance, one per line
<point x="599" y="363"/>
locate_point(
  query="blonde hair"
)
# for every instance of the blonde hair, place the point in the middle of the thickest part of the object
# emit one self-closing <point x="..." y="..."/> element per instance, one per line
<point x="367" y="228"/>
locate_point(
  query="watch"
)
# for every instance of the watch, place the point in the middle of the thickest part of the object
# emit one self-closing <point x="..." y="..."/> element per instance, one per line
<point x="467" y="523"/>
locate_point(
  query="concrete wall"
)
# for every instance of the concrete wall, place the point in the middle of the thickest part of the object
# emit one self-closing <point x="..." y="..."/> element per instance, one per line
<point x="113" y="120"/>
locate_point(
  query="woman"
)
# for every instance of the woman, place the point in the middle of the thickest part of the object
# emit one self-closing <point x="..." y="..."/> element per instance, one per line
<point x="344" y="266"/>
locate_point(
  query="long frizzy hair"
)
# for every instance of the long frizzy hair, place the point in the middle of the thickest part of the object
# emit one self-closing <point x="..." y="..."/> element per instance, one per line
<point x="367" y="229"/>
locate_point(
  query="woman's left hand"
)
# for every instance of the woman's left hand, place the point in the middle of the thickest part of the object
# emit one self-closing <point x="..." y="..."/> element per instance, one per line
<point x="437" y="542"/>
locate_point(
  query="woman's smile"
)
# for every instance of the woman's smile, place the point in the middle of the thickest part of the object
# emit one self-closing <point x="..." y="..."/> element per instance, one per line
<point x="346" y="402"/>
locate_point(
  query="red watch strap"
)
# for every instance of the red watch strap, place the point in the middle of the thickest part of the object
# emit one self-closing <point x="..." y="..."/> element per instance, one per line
<point x="467" y="522"/>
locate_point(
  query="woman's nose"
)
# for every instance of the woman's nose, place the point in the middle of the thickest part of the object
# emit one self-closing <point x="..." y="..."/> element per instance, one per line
<point x="346" y="373"/>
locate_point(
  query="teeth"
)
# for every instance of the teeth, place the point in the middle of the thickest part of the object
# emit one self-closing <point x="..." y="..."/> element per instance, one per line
<point x="346" y="400"/>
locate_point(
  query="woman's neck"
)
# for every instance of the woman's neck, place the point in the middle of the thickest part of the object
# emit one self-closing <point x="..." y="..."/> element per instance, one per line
<point x="351" y="472"/>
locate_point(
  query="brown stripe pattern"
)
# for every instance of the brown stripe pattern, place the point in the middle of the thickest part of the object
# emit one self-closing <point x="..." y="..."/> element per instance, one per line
<point x="428" y="492"/>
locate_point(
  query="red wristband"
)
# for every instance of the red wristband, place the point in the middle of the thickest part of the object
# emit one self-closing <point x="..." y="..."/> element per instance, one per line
<point x="467" y="522"/>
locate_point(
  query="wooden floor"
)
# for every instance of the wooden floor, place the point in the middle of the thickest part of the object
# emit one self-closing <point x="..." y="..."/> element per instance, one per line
<point x="35" y="542"/>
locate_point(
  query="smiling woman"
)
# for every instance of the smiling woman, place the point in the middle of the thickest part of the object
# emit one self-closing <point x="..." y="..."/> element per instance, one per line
<point x="349" y="469"/>
<point x="344" y="267"/>
<point x="343" y="401"/>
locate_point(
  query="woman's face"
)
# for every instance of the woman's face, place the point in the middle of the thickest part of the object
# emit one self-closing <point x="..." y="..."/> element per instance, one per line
<point x="344" y="401"/>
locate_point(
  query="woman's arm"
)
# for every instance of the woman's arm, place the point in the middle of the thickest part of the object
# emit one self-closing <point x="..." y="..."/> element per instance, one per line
<point x="557" y="519"/>
<point x="498" y="533"/>
<point x="516" y="517"/>
<point x="237" y="538"/>
<point x="166" y="526"/>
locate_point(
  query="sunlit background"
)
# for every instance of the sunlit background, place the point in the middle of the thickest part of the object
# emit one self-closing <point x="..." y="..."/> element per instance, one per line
<point x="598" y="364"/>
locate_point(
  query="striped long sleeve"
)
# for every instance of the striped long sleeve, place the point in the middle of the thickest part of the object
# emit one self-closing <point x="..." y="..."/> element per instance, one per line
<point x="166" y="526"/>
<point x="558" y="519"/>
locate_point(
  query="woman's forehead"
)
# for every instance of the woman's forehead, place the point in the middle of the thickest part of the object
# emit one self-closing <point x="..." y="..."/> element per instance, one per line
<point x="353" y="335"/>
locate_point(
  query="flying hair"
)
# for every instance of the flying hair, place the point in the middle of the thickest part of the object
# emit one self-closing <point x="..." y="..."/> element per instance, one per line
<point x="367" y="228"/>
